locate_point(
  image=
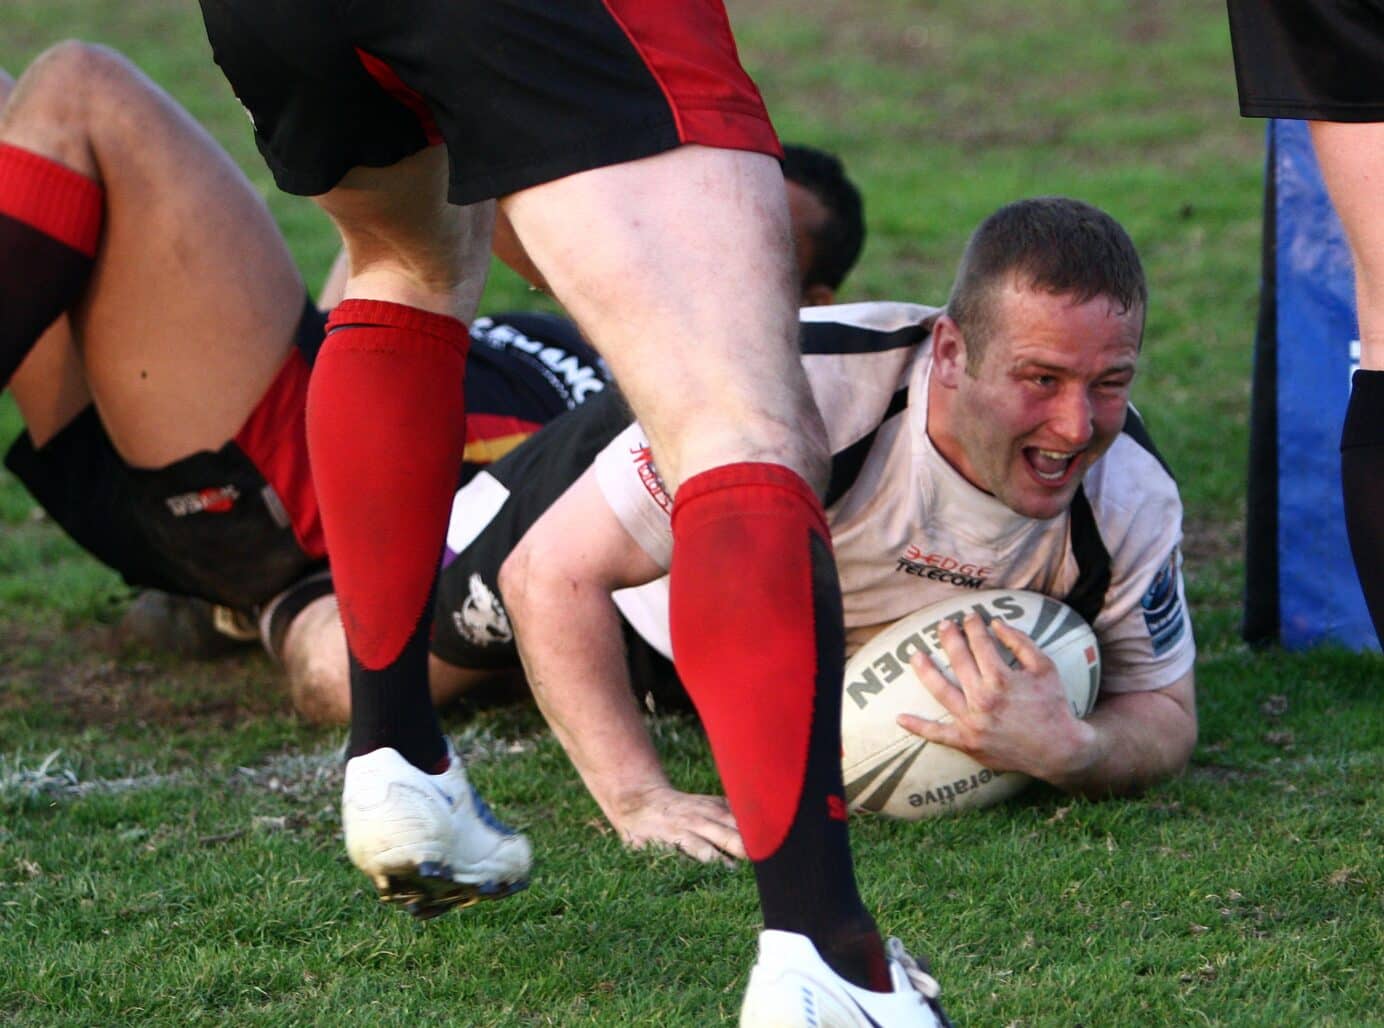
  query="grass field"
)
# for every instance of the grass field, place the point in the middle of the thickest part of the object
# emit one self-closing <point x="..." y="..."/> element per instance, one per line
<point x="169" y="849"/>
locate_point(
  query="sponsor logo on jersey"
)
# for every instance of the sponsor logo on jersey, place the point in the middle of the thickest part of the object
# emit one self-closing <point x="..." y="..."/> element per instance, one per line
<point x="215" y="500"/>
<point x="643" y="458"/>
<point x="938" y="567"/>
<point x="578" y="380"/>
<point x="482" y="620"/>
<point x="1164" y="615"/>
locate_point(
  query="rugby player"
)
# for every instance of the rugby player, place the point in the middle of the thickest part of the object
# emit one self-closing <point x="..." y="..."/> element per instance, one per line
<point x="636" y="162"/>
<point x="1321" y="62"/>
<point x="994" y="435"/>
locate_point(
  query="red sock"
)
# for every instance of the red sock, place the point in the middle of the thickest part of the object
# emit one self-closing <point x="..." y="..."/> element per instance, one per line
<point x="758" y="639"/>
<point x="386" y="430"/>
<point x="50" y="224"/>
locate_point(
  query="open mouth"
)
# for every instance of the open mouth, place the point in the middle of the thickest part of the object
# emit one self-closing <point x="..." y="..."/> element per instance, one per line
<point x="1051" y="467"/>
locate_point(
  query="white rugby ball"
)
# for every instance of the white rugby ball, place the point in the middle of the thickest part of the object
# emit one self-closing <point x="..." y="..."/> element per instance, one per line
<point x="891" y="771"/>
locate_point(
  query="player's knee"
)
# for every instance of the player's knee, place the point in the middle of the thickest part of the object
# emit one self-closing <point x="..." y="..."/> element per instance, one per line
<point x="515" y="577"/>
<point x="74" y="83"/>
<point x="75" y="64"/>
<point x="316" y="664"/>
<point x="319" y="689"/>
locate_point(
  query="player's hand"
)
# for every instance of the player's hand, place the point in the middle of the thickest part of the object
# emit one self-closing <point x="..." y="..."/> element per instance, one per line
<point x="1008" y="718"/>
<point x="702" y="827"/>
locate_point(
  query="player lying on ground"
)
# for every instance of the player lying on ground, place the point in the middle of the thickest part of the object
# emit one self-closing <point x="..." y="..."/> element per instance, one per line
<point x="987" y="446"/>
<point x="176" y="459"/>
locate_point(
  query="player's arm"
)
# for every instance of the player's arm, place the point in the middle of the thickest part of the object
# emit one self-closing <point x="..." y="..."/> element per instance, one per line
<point x="557" y="587"/>
<point x="1018" y="718"/>
<point x="1135" y="740"/>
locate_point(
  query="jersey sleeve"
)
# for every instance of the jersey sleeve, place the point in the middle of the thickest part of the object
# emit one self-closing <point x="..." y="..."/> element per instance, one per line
<point x="630" y="483"/>
<point x="1144" y="629"/>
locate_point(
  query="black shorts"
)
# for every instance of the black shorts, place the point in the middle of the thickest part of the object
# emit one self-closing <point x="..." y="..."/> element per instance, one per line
<point x="471" y="628"/>
<point x="208" y="525"/>
<point x="234" y="526"/>
<point x="521" y="91"/>
<point x="1318" y="60"/>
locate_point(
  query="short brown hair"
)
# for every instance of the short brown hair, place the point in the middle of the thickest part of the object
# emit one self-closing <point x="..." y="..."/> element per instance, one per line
<point x="1051" y="244"/>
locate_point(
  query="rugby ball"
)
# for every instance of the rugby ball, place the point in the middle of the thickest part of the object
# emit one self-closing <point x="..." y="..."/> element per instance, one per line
<point x="887" y="769"/>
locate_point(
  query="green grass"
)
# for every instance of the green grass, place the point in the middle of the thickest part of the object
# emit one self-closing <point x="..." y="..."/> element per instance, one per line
<point x="210" y="886"/>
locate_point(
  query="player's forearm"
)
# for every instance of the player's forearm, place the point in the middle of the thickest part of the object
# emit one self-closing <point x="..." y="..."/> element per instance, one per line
<point x="1132" y="741"/>
<point x="575" y="662"/>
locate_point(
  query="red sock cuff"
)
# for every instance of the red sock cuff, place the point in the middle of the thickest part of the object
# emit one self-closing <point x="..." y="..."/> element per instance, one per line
<point x="774" y="483"/>
<point x="51" y="198"/>
<point x="382" y="313"/>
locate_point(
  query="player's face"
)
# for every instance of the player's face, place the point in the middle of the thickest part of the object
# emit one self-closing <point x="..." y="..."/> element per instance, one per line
<point x="1048" y="398"/>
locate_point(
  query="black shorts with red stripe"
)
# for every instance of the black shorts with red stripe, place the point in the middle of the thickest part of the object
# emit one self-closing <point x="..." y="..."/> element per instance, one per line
<point x="521" y="91"/>
<point x="234" y="526"/>
<point x="1318" y="60"/>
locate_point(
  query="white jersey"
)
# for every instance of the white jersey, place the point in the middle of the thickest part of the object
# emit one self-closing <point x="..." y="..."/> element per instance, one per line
<point x="909" y="530"/>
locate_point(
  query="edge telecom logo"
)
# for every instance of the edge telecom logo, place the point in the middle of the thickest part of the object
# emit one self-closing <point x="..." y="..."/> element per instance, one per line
<point x="938" y="567"/>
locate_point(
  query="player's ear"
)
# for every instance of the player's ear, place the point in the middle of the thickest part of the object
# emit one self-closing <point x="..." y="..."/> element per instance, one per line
<point x="948" y="351"/>
<point x="819" y="294"/>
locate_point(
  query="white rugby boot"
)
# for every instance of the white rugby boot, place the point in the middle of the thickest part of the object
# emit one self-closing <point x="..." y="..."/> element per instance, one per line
<point x="428" y="842"/>
<point x="791" y="986"/>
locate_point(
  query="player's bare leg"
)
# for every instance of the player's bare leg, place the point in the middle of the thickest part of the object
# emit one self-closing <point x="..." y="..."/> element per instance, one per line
<point x="192" y="282"/>
<point x="313" y="652"/>
<point x="1352" y="163"/>
<point x="678" y="269"/>
<point x="386" y="428"/>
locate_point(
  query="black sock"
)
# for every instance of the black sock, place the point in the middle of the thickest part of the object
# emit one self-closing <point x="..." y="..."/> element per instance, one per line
<point x="808" y="884"/>
<point x="393" y="706"/>
<point x="1362" y="483"/>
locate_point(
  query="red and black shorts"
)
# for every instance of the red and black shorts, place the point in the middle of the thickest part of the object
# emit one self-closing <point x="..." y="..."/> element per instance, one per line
<point x="230" y="526"/>
<point x="521" y="91"/>
<point x="1318" y="60"/>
